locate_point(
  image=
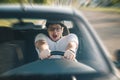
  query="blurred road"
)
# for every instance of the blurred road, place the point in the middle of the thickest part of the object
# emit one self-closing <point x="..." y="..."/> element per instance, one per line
<point x="107" y="26"/>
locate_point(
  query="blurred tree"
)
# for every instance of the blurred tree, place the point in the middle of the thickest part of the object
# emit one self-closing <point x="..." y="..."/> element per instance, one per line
<point x="24" y="1"/>
<point x="40" y="1"/>
<point x="115" y="1"/>
<point x="12" y="1"/>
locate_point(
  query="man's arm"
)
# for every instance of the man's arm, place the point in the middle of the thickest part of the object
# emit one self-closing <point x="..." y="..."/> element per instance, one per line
<point x="72" y="46"/>
<point x="41" y="45"/>
<point x="70" y="52"/>
<point x="43" y="48"/>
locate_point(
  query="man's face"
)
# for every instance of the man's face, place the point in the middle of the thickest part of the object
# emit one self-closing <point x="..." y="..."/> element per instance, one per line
<point x="55" y="31"/>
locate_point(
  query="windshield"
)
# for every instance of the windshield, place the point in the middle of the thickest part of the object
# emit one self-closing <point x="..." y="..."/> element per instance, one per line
<point x="87" y="53"/>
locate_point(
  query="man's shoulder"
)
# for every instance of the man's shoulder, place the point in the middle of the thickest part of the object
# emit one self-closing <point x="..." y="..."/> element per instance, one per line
<point x="71" y="35"/>
<point x="42" y="35"/>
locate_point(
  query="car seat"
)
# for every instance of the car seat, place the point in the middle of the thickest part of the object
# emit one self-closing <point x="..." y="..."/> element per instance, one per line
<point x="10" y="53"/>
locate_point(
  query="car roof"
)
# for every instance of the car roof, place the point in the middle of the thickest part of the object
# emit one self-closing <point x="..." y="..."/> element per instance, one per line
<point x="34" y="11"/>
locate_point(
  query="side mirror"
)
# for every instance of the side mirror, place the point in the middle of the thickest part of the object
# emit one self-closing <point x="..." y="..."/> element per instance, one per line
<point x="117" y="58"/>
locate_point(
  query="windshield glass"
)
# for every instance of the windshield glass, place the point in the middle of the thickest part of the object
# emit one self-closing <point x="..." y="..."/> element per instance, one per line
<point x="24" y="32"/>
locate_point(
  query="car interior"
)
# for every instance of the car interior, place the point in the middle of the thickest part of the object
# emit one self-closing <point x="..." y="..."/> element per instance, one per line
<point x="17" y="44"/>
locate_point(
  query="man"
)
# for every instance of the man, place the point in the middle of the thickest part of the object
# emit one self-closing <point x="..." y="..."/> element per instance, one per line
<point x="55" y="41"/>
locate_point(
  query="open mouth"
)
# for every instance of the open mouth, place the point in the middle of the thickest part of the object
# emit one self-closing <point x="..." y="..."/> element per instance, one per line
<point x="54" y="36"/>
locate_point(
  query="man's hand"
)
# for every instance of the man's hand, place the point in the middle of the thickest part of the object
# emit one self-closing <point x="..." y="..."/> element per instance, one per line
<point x="44" y="54"/>
<point x="69" y="55"/>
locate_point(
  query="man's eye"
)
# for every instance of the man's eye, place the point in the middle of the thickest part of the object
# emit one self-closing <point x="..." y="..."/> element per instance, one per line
<point x="58" y="28"/>
<point x="52" y="29"/>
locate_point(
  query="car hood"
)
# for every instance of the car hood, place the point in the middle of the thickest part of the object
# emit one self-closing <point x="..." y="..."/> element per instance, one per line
<point x="56" y="69"/>
<point x="51" y="66"/>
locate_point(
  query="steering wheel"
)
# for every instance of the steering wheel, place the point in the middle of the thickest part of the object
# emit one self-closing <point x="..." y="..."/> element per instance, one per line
<point x="60" y="53"/>
<point x="57" y="53"/>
